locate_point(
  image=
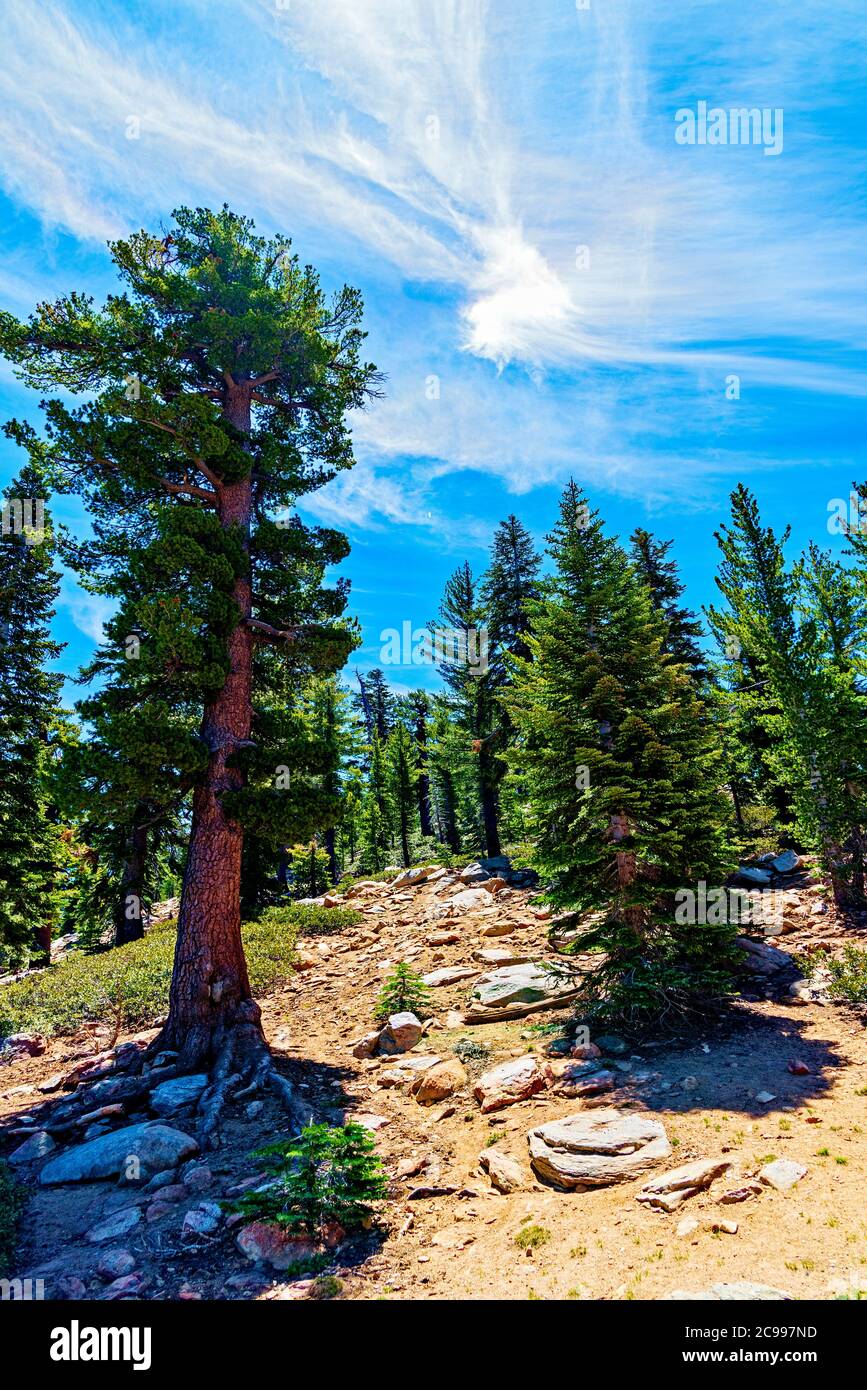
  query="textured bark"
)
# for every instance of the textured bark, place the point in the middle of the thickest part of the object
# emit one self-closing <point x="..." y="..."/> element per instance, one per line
<point x="128" y="928"/>
<point x="210" y="990"/>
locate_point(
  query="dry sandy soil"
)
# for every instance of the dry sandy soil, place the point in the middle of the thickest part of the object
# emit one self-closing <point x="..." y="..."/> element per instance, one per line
<point x="599" y="1244"/>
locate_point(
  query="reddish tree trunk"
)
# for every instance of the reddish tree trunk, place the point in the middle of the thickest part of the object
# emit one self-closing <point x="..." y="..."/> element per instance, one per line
<point x="210" y="989"/>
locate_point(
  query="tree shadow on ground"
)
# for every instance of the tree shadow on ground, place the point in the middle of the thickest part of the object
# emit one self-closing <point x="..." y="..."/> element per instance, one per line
<point x="741" y="1055"/>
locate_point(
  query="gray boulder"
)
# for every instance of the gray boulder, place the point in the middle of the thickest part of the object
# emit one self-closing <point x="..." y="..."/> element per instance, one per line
<point x="524" y="984"/>
<point x="151" y="1147"/>
<point x="39" y="1145"/>
<point x="171" y="1096"/>
<point x="597" y="1147"/>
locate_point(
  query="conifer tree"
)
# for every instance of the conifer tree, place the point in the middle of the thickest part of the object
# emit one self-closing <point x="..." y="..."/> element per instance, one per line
<point x="443" y="757"/>
<point x="400" y="753"/>
<point x="29" y="715"/>
<point x="215" y="393"/>
<point x="623" y="771"/>
<point x="653" y="567"/>
<point x="375" y="703"/>
<point x="415" y="709"/>
<point x="466" y="673"/>
<point x="377" y="811"/>
<point x="801" y="636"/>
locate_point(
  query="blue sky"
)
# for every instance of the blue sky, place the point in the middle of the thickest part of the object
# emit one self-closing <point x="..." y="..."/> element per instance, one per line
<point x="451" y="157"/>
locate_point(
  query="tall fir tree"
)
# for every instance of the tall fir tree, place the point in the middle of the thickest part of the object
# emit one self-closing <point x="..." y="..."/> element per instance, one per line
<point x="29" y="719"/>
<point x="215" y="392"/>
<point x="377" y="811"/>
<point x="466" y="673"/>
<point x="653" y="567"/>
<point x="623" y="770"/>
<point x="401" y="756"/>
<point x="796" y="628"/>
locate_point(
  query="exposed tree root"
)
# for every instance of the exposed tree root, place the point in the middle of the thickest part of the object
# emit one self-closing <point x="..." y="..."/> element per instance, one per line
<point x="238" y="1064"/>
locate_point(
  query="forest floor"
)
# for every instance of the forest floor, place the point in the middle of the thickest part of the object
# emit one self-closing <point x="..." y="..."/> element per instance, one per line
<point x="446" y="1232"/>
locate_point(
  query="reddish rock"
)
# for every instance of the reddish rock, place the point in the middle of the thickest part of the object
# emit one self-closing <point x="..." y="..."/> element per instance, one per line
<point x="439" y="1082"/>
<point x="512" y="1081"/>
<point x="268" y="1243"/>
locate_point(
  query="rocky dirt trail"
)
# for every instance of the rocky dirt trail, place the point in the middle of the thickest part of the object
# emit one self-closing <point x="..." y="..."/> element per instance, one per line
<point x="733" y="1161"/>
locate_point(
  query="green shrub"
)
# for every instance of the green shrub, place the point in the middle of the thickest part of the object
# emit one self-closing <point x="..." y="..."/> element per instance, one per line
<point x="12" y="1202"/>
<point x="403" y="992"/>
<point x="309" y="921"/>
<point x="130" y="984"/>
<point x="849" y="976"/>
<point x="531" y="1237"/>
<point x="325" y="1174"/>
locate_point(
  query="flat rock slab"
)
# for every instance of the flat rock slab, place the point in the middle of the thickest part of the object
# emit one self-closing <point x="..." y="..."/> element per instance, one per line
<point x="469" y="900"/>
<point x="670" y="1190"/>
<point x="782" y="1174"/>
<point x="733" y="1293"/>
<point x="763" y="959"/>
<point x="119" y="1224"/>
<point x="151" y="1147"/>
<point x="596" y="1148"/>
<point x="171" y="1096"/>
<point x="516" y="990"/>
<point x="448" y="975"/>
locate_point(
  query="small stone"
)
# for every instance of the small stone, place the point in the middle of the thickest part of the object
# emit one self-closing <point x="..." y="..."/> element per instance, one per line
<point x="114" y="1226"/>
<point x="765" y="1097"/>
<point x="114" y="1264"/>
<point x="510" y="1082"/>
<point x="611" y="1045"/>
<point x="782" y="1174"/>
<point x="726" y="1228"/>
<point x="401" y="1033"/>
<point x="69" y="1286"/>
<point x="505" y="1173"/>
<point x="163" y="1179"/>
<point x="366" y="1045"/>
<point x="687" y="1227"/>
<point x="671" y="1190"/>
<point x="254" y="1109"/>
<point x="127" y="1287"/>
<point x="740" y="1194"/>
<point x="197" y="1177"/>
<point x="202" y="1220"/>
<point x="439" y="1082"/>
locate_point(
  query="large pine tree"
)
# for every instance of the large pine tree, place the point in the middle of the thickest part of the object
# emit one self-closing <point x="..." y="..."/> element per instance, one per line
<point x="28" y="718"/>
<point x="623" y="772"/>
<point x="218" y="382"/>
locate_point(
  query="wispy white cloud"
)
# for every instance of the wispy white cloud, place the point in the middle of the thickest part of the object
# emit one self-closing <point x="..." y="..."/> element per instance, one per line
<point x="466" y="150"/>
